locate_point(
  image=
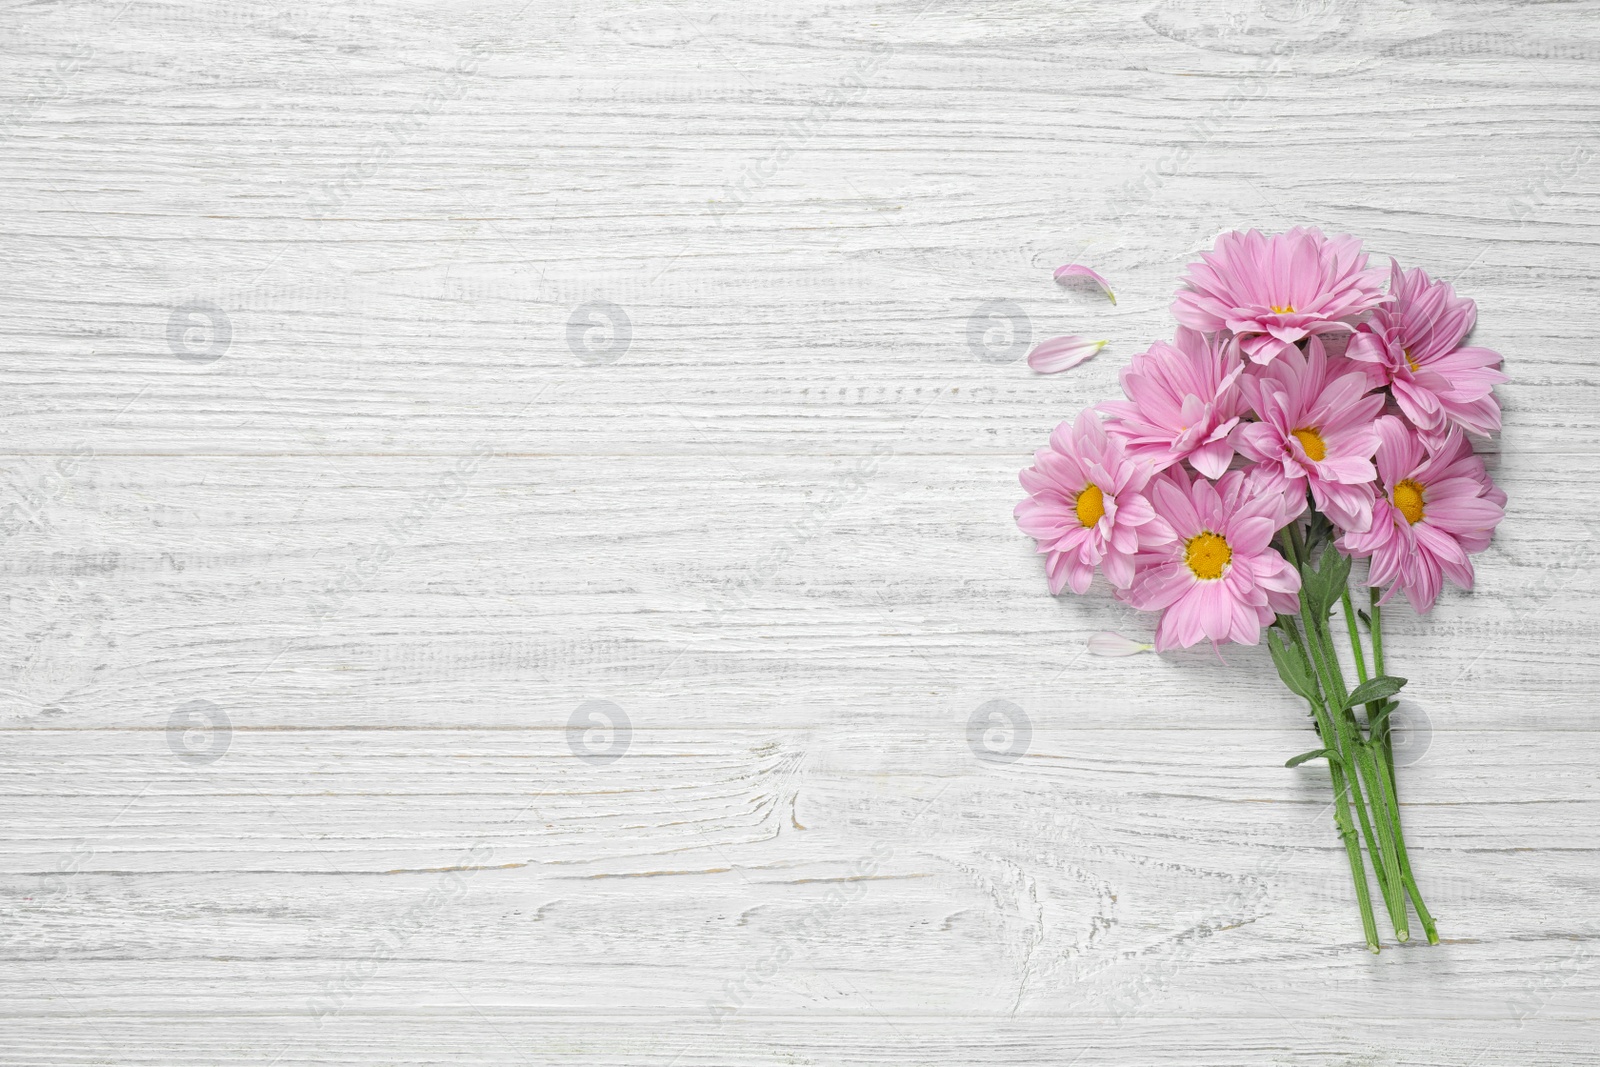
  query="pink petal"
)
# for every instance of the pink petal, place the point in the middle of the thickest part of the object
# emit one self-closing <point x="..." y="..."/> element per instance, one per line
<point x="1118" y="565"/>
<point x="1077" y="270"/>
<point x="1061" y="353"/>
<point x="1159" y="587"/>
<point x="1251" y="536"/>
<point x="1214" y="610"/>
<point x="1124" y="542"/>
<point x="1174" y="505"/>
<point x="1182" y="625"/>
<point x="1107" y="643"/>
<point x="1055" y="569"/>
<point x="1246" y="627"/>
<point x="1212" y="459"/>
<point x="1080" y="575"/>
<point x="1349" y="506"/>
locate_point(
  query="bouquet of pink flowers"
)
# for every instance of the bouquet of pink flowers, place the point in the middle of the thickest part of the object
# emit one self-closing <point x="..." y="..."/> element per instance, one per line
<point x="1300" y="418"/>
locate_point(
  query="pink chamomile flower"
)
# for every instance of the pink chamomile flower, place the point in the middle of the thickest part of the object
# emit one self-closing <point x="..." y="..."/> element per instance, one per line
<point x="1086" y="505"/>
<point x="1275" y="291"/>
<point x="1438" y="508"/>
<point x="1183" y="402"/>
<point x="1415" y="345"/>
<point x="1315" y="430"/>
<point x="1217" y="577"/>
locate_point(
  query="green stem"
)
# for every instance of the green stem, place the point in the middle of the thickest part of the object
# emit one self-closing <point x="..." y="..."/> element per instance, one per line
<point x="1297" y="550"/>
<point x="1344" y="720"/>
<point x="1390" y="797"/>
<point x="1350" y="742"/>
<point x="1373" y="773"/>
<point x="1350" y="748"/>
<point x="1392" y="812"/>
<point x="1377" y="629"/>
<point x="1377" y="666"/>
<point x="1355" y="638"/>
<point x="1378" y="786"/>
<point x="1336" y="772"/>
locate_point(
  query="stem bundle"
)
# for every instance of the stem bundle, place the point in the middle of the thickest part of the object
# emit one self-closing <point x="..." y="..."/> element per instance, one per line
<point x="1359" y="753"/>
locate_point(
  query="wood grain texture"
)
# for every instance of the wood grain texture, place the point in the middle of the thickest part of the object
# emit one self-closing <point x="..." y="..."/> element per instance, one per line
<point x="388" y="386"/>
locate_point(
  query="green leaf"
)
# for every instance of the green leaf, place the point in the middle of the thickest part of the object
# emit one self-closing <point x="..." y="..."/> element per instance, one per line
<point x="1292" y="665"/>
<point x="1335" y="574"/>
<point x="1316" y="753"/>
<point x="1324" y="584"/>
<point x="1375" y="722"/>
<point x="1312" y="598"/>
<point x="1278" y="646"/>
<point x="1318" y="530"/>
<point x="1379" y="688"/>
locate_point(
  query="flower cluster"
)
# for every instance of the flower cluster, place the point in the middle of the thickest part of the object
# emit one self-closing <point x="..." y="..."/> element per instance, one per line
<point x="1293" y="379"/>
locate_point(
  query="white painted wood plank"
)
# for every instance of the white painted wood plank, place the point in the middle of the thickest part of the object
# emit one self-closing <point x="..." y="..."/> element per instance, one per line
<point x="296" y="590"/>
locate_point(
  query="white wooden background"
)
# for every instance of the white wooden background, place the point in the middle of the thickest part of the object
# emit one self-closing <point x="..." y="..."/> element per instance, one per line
<point x="321" y="524"/>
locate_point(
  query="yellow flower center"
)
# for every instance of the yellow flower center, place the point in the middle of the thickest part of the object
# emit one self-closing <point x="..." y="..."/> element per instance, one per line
<point x="1312" y="442"/>
<point x="1410" y="362"/>
<point x="1287" y="309"/>
<point x="1408" y="499"/>
<point x="1207" y="555"/>
<point x="1091" y="505"/>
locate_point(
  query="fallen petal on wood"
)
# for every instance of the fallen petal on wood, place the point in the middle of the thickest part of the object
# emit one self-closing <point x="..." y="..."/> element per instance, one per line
<point x="1107" y="643"/>
<point x="1078" y="270"/>
<point x="1061" y="353"/>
